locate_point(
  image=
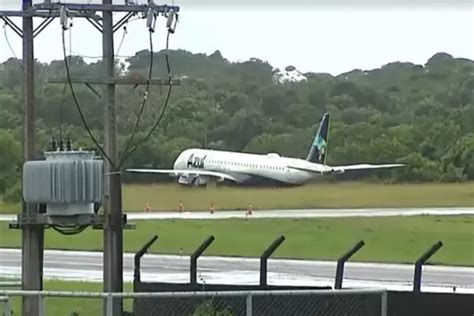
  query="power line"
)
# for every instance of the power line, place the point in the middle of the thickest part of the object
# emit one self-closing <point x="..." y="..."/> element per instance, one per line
<point x="75" y="53"/>
<point x="76" y="102"/>
<point x="142" y="105"/>
<point x="155" y="125"/>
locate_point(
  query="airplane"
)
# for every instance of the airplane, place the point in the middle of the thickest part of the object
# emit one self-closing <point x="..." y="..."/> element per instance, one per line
<point x="197" y="166"/>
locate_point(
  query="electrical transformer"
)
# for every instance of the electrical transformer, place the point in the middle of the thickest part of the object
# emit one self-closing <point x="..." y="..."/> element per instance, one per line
<point x="69" y="182"/>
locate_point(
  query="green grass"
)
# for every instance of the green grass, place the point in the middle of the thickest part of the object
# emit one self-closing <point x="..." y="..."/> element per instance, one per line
<point x="9" y="207"/>
<point x="388" y="239"/>
<point x="167" y="197"/>
<point x="65" y="306"/>
<point x="323" y="195"/>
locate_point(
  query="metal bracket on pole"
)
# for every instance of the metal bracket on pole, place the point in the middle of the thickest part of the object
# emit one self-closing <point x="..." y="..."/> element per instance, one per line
<point x="42" y="26"/>
<point x="138" y="255"/>
<point x="342" y="260"/>
<point x="264" y="257"/>
<point x="196" y="254"/>
<point x="122" y="21"/>
<point x="12" y="25"/>
<point x="419" y="264"/>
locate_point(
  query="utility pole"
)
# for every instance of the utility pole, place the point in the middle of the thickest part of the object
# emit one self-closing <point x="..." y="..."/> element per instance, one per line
<point x="113" y="232"/>
<point x="31" y="221"/>
<point x="32" y="235"/>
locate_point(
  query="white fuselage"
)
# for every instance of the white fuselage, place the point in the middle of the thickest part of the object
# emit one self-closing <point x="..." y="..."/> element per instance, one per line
<point x="245" y="167"/>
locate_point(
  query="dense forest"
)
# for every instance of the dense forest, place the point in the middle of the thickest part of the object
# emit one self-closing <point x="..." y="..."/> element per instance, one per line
<point x="422" y="115"/>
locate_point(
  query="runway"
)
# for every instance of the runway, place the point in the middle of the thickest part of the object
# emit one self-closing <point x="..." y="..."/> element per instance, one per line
<point x="289" y="213"/>
<point x="82" y="265"/>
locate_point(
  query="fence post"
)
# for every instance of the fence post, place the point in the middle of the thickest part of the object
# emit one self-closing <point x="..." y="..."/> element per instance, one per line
<point x="40" y="305"/>
<point x="383" y="307"/>
<point x="7" y="308"/>
<point x="342" y="260"/>
<point x="249" y="305"/>
<point x="419" y="264"/>
<point x="264" y="257"/>
<point x="138" y="255"/>
<point x="110" y="305"/>
<point x="196" y="254"/>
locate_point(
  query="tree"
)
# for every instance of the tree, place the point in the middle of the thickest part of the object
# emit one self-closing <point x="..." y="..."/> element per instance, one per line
<point x="420" y="114"/>
<point x="460" y="158"/>
<point x="419" y="168"/>
<point x="10" y="162"/>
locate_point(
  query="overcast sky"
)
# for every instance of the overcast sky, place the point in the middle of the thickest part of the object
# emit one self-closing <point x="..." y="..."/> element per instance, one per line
<point x="321" y="36"/>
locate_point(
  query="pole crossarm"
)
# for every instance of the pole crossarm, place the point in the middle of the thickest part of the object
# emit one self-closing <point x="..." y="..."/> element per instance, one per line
<point x="49" y="11"/>
<point x="106" y="7"/>
<point x="117" y="81"/>
<point x="43" y="14"/>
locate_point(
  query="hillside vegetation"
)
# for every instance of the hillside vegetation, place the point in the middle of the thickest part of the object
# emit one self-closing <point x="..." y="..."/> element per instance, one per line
<point x="421" y="115"/>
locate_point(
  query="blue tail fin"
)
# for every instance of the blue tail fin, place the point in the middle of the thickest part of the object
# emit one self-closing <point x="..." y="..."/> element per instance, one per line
<point x="319" y="147"/>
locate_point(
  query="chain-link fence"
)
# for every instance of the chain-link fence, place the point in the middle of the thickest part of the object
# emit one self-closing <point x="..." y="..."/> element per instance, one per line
<point x="365" y="302"/>
<point x="295" y="302"/>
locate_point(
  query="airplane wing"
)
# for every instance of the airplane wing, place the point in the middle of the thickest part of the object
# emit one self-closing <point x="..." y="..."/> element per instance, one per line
<point x="341" y="169"/>
<point x="324" y="169"/>
<point x="186" y="172"/>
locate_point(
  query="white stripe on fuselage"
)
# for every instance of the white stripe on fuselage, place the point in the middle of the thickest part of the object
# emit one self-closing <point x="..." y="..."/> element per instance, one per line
<point x="243" y="165"/>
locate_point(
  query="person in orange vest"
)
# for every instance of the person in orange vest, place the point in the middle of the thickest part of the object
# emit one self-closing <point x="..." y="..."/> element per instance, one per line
<point x="249" y="209"/>
<point x="180" y="206"/>
<point x="211" y="208"/>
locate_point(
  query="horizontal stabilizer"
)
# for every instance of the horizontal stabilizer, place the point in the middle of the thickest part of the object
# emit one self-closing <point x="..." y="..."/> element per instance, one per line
<point x="185" y="172"/>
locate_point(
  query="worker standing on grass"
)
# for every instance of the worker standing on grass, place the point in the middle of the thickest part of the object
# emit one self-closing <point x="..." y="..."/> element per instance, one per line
<point x="211" y="208"/>
<point x="180" y="206"/>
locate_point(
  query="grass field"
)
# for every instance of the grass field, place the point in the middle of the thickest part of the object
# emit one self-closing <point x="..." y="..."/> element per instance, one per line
<point x="65" y="306"/>
<point x="323" y="195"/>
<point x="167" y="197"/>
<point x="8" y="207"/>
<point x="388" y="239"/>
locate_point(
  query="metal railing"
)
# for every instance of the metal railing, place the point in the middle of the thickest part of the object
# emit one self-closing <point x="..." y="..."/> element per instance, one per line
<point x="249" y="303"/>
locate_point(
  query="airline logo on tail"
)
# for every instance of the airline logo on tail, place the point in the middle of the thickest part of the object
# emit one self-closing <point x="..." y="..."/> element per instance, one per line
<point x="318" y="150"/>
<point x="321" y="145"/>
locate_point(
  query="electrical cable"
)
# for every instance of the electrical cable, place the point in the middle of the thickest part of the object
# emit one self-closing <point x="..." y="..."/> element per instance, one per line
<point x="61" y="112"/>
<point x="78" y="107"/>
<point x="8" y="41"/>
<point x="145" y="98"/>
<point x="155" y="125"/>
<point x="9" y="44"/>
<point x="122" y="40"/>
<point x="98" y="57"/>
<point x="69" y="229"/>
<point x="61" y="106"/>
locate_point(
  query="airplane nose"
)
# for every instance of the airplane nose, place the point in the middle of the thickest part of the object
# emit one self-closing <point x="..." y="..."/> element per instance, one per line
<point x="178" y="164"/>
